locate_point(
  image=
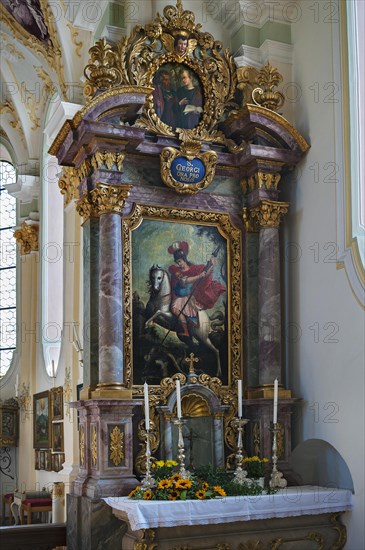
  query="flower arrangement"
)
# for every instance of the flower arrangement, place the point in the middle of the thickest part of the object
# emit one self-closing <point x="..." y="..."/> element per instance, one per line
<point x="207" y="482"/>
<point x="255" y="466"/>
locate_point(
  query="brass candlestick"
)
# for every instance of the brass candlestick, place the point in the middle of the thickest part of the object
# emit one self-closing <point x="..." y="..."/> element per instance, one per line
<point x="181" y="449"/>
<point x="240" y="474"/>
<point x="277" y="479"/>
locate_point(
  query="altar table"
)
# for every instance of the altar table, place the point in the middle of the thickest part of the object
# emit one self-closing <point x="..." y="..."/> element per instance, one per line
<point x="305" y="517"/>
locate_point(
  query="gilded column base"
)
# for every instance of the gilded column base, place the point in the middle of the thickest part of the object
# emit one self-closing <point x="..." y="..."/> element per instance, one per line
<point x="111" y="391"/>
<point x="266" y="391"/>
<point x="86" y="392"/>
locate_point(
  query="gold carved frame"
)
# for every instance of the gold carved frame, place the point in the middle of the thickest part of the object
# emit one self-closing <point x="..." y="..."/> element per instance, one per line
<point x="232" y="235"/>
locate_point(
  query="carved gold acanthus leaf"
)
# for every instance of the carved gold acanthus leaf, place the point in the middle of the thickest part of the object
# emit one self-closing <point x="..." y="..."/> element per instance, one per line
<point x="49" y="86"/>
<point x="94" y="446"/>
<point x="68" y="184"/>
<point x="82" y="445"/>
<point x="135" y="61"/>
<point x="103" y="199"/>
<point x="269" y="213"/>
<point x="145" y="541"/>
<point x="58" y="490"/>
<point x="116" y="446"/>
<point x="268" y="78"/>
<point x="108" y="159"/>
<point x="27" y="237"/>
<point x="261" y="180"/>
<point x="251" y="224"/>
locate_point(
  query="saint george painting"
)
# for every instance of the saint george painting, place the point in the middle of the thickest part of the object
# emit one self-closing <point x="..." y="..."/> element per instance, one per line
<point x="41" y="421"/>
<point x="180" y="300"/>
<point x="177" y="96"/>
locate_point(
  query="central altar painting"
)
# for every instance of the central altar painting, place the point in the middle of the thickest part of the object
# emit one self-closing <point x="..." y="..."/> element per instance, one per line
<point x="181" y="290"/>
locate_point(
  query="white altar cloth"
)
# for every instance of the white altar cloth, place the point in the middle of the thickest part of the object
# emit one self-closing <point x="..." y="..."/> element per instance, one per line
<point x="292" y="501"/>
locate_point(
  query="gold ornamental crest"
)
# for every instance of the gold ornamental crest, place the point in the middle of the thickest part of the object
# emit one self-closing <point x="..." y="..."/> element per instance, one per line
<point x="187" y="171"/>
<point x="193" y="78"/>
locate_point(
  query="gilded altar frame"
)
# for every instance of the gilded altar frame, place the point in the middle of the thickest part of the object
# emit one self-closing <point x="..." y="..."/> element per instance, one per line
<point x="222" y="222"/>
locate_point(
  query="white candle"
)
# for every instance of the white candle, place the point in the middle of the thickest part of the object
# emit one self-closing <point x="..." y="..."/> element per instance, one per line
<point x="146" y="406"/>
<point x="17" y="386"/>
<point x="53" y="370"/>
<point x="239" y="383"/>
<point x="178" y="398"/>
<point x="275" y="415"/>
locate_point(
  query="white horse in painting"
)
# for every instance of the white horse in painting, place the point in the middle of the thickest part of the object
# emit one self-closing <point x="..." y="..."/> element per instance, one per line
<point x="158" y="311"/>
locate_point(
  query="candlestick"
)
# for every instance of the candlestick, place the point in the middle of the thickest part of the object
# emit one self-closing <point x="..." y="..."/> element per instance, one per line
<point x="239" y="383"/>
<point x="185" y="474"/>
<point x="148" y="480"/>
<point x="275" y="413"/>
<point x="277" y="479"/>
<point x="17" y="386"/>
<point x="178" y="399"/>
<point x="146" y="406"/>
<point x="240" y="475"/>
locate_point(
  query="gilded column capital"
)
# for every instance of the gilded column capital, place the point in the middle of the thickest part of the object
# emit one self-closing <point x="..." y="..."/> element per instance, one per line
<point x="103" y="199"/>
<point x="27" y="237"/>
<point x="269" y="213"/>
<point x="110" y="198"/>
<point x="261" y="180"/>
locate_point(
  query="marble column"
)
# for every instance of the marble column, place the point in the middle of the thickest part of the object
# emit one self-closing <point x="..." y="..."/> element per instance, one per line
<point x="110" y="302"/>
<point x="269" y="306"/>
<point x="268" y="215"/>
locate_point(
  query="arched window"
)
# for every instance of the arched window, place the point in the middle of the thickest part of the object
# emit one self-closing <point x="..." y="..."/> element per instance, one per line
<point x="7" y="268"/>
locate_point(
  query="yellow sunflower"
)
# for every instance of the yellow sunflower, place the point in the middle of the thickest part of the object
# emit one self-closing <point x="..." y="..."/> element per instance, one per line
<point x="183" y="484"/>
<point x="173" y="495"/>
<point x="164" y="484"/>
<point x="205" y="486"/>
<point x="147" y="495"/>
<point x="132" y="492"/>
<point x="200" y="495"/>
<point x="175" y="477"/>
<point x="218" y="489"/>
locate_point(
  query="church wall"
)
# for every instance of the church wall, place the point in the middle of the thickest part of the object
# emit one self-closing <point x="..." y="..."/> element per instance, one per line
<point x="324" y="322"/>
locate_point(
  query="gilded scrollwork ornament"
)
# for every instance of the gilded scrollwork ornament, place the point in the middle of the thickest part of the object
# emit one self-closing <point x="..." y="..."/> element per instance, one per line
<point x="187" y="171"/>
<point x="27" y="237"/>
<point x="172" y="39"/>
<point x="68" y="184"/>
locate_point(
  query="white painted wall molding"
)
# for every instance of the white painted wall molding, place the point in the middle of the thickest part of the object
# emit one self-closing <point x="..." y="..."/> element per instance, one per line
<point x="25" y="189"/>
<point x="270" y="51"/>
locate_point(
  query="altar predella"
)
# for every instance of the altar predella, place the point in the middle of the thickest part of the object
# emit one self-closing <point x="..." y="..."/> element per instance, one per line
<point x="175" y="163"/>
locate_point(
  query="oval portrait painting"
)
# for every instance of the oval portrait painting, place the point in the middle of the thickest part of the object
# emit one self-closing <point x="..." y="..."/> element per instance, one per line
<point x="177" y="96"/>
